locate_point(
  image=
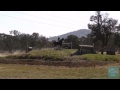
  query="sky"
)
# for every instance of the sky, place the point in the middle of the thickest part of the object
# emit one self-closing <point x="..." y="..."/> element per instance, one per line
<point x="47" y="23"/>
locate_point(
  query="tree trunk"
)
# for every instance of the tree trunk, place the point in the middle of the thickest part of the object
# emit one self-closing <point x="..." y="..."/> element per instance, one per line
<point x="102" y="49"/>
<point x="102" y="52"/>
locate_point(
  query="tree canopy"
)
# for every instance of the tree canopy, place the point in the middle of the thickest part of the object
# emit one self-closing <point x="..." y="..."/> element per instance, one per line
<point x="20" y="41"/>
<point x="102" y="28"/>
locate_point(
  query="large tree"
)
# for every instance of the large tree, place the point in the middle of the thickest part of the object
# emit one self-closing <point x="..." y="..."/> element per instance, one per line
<point x="86" y="40"/>
<point x="102" y="28"/>
<point x="74" y="39"/>
<point x="117" y="37"/>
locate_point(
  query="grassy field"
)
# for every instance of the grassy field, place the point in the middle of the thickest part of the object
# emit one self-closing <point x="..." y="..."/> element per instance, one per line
<point x="50" y="64"/>
<point x="13" y="71"/>
<point x="49" y="54"/>
<point x="64" y="54"/>
<point x="101" y="57"/>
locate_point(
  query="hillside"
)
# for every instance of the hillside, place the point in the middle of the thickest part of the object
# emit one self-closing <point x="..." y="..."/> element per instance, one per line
<point x="78" y="33"/>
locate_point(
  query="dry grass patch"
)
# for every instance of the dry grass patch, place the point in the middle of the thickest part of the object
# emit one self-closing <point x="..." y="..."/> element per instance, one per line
<point x="13" y="71"/>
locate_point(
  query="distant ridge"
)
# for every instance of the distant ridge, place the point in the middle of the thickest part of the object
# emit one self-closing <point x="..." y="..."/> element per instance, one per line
<point x="78" y="33"/>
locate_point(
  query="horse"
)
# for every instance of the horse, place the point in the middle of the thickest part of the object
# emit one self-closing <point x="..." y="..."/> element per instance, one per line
<point x="58" y="43"/>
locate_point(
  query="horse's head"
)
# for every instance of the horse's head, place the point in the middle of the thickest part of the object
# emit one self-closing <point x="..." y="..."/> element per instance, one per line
<point x="61" y="40"/>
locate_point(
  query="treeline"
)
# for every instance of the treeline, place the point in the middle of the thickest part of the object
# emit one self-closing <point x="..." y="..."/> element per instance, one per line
<point x="105" y="33"/>
<point x="76" y="41"/>
<point x="113" y="42"/>
<point x="20" y="41"/>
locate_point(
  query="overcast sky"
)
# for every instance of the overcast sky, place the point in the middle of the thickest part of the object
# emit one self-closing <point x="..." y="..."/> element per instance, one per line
<point x="47" y="23"/>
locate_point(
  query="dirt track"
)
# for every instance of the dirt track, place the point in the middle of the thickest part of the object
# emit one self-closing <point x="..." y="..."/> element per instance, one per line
<point x="81" y="63"/>
<point x="4" y="54"/>
<point x="7" y="53"/>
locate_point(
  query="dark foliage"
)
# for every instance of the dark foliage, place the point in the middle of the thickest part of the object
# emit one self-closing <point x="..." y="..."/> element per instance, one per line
<point x="21" y="41"/>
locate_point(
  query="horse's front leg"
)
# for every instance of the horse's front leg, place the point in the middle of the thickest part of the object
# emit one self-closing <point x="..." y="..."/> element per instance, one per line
<point x="55" y="47"/>
<point x="60" y="47"/>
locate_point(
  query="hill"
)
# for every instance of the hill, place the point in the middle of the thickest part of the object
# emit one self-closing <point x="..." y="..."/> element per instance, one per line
<point x="78" y="33"/>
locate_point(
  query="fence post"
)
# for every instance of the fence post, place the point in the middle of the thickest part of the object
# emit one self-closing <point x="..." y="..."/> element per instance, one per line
<point x="27" y="47"/>
<point x="71" y="45"/>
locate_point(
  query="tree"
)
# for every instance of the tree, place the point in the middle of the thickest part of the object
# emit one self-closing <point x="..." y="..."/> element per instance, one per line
<point x="102" y="28"/>
<point x="117" y="37"/>
<point x="20" y="41"/>
<point x="86" y="40"/>
<point x="74" y="39"/>
<point x="14" y="32"/>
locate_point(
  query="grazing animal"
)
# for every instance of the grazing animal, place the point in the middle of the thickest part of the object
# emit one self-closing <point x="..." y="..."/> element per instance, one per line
<point x="59" y="43"/>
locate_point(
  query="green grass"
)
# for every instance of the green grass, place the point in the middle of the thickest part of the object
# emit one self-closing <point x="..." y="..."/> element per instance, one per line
<point x="48" y="54"/>
<point x="101" y="57"/>
<point x="64" y="54"/>
<point x="13" y="71"/>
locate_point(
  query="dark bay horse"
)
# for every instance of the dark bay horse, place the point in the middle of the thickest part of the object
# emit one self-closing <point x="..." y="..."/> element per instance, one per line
<point x="58" y="43"/>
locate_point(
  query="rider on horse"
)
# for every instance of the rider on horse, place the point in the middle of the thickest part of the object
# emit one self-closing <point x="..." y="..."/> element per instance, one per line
<point x="58" y="43"/>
